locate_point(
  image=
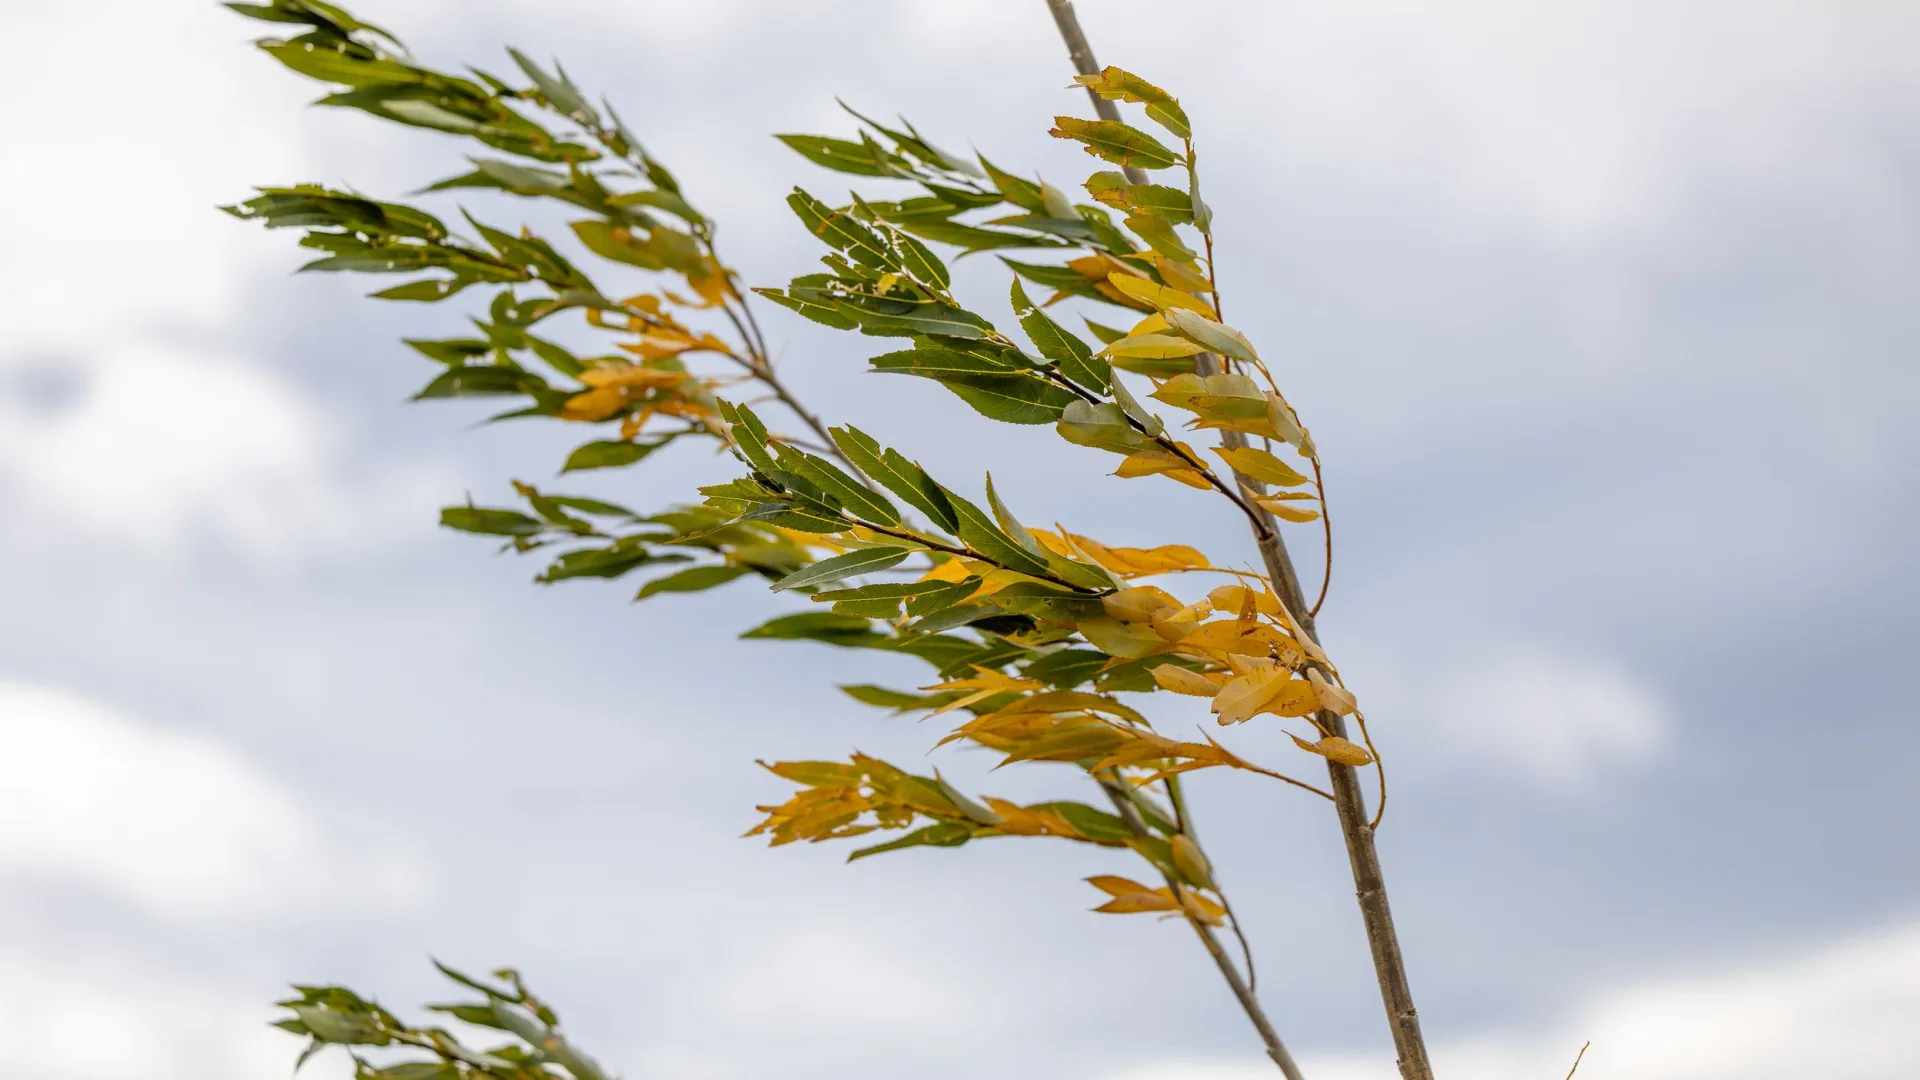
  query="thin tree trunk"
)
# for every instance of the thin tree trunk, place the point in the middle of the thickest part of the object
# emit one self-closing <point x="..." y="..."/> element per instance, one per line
<point x="1369" y="885"/>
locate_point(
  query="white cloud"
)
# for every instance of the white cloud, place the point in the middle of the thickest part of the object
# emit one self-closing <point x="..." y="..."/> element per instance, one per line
<point x="160" y="445"/>
<point x="89" y="1015"/>
<point x="1577" y="119"/>
<point x="171" y="822"/>
<point x="1841" y="1011"/>
<point x="143" y="118"/>
<point x="1559" y="717"/>
<point x="808" y="981"/>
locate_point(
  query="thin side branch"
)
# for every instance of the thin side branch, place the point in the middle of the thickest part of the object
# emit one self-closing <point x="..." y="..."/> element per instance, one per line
<point x="1249" y="1004"/>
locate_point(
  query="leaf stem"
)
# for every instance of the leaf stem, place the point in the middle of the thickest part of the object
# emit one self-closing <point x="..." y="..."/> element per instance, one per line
<point x="1243" y="993"/>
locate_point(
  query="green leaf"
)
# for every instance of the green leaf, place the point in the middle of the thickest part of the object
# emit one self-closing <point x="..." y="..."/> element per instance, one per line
<point x="972" y="238"/>
<point x="1112" y="189"/>
<point x="1116" y="84"/>
<point x="1107" y="334"/>
<point x="837" y="154"/>
<point x="822" y="626"/>
<point x="450" y="350"/>
<point x="859" y="561"/>
<point x="611" y="241"/>
<point x="945" y="834"/>
<point x="1152" y="424"/>
<point x="558" y="90"/>
<point x="1067" y="668"/>
<point x="1218" y="337"/>
<point x="1074" y="357"/>
<point x="855" y="496"/>
<point x="934" y="362"/>
<point x="980" y="533"/>
<point x="842" y="231"/>
<point x="426" y="290"/>
<point x="694" y="579"/>
<point x="476" y="519"/>
<point x="1113" y="141"/>
<point x="609" y="454"/>
<point x="1010" y="524"/>
<point x="1012" y="399"/>
<point x="891" y="470"/>
<point x="1102" y="426"/>
<point x="898" y="700"/>
<point x="922" y="263"/>
<point x="1019" y="192"/>
<point x="748" y="434"/>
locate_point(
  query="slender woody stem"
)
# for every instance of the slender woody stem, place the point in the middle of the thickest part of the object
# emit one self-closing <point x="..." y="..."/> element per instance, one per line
<point x="1369" y="885"/>
<point x="1276" y="1049"/>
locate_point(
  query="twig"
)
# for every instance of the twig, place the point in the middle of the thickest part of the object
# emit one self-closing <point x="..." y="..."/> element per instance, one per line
<point x="1369" y="885"/>
<point x="1326" y="531"/>
<point x="1249" y="1004"/>
<point x="1577" y="1057"/>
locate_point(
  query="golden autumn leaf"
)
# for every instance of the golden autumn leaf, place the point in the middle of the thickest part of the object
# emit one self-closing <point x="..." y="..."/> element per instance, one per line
<point x="594" y="405"/>
<point x="1234" y="598"/>
<point x="1129" y="641"/>
<point x="1192" y="862"/>
<point x="1138" y="604"/>
<point x="1136" y="903"/>
<point x="1286" y="507"/>
<point x="1336" y="749"/>
<point x="1140" y="562"/>
<point x="1334" y="699"/>
<point x="1257" y="464"/>
<point x="1243" y="697"/>
<point x="1114" y="885"/>
<point x="1175" y="624"/>
<point x="1158" y="296"/>
<point x="985" y="684"/>
<point x="1181" y="275"/>
<point x="1152" y="324"/>
<point x="1181" y="680"/>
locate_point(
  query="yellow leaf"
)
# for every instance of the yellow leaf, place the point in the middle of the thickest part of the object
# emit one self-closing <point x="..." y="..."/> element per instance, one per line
<point x="1158" y="296"/>
<point x="1202" y="909"/>
<point x="1130" y="641"/>
<point x="1149" y="462"/>
<point x="1135" y="903"/>
<point x="984" y="685"/>
<point x="1116" y="886"/>
<point x="1152" y="324"/>
<point x="1234" y="597"/>
<point x="1192" y="862"/>
<point x="1138" y="604"/>
<point x="1241" y="699"/>
<point x="1287" y="508"/>
<point x="1257" y="464"/>
<point x="1140" y="562"/>
<point x="631" y="375"/>
<point x="1296" y="698"/>
<point x="1181" y="275"/>
<point x="1184" y="681"/>
<point x="1334" y="748"/>
<point x="710" y="281"/>
<point x="1334" y="699"/>
<point x="1152" y="347"/>
<point x="1176" y="623"/>
<point x="596" y="404"/>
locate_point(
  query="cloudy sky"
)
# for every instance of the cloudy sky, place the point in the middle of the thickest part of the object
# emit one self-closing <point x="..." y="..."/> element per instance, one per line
<point x="1602" y="314"/>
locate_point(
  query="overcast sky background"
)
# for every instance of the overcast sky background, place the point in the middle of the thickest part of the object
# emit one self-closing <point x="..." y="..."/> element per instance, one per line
<point x="1602" y="313"/>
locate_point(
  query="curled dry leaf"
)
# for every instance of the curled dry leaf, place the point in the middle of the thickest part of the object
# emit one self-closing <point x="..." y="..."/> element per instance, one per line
<point x="1334" y="748"/>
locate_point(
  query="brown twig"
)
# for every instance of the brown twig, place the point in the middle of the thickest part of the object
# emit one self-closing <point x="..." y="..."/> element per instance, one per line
<point x="1577" y="1058"/>
<point x="1326" y="531"/>
<point x="1243" y="993"/>
<point x="1369" y="885"/>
